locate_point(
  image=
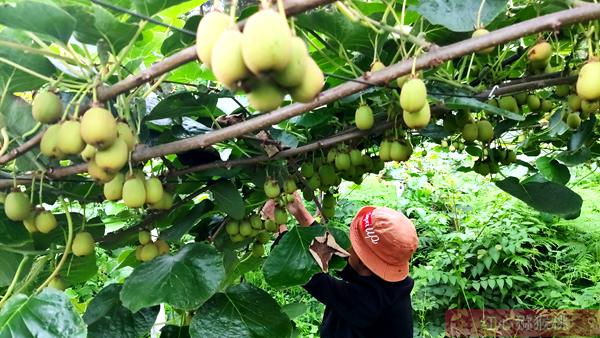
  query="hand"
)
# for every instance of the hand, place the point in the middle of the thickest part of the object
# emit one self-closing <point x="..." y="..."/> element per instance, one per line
<point x="298" y="210"/>
<point x="268" y="210"/>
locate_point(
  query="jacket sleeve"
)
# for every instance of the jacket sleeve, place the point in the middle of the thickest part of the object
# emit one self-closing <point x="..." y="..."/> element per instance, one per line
<point x="355" y="303"/>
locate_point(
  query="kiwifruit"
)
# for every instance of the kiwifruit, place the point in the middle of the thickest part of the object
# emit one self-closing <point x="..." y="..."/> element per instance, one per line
<point x="263" y="237"/>
<point x="307" y="169"/>
<point x="17" y="206"/>
<point x="29" y="223"/>
<point x="314" y="182"/>
<point x="45" y="221"/>
<point x="134" y="192"/>
<point x="367" y="162"/>
<point x="293" y="73"/>
<point x="470" y="132"/>
<point x="327" y="175"/>
<point x="258" y="250"/>
<point x="384" y="150"/>
<point x="113" y="158"/>
<point x="331" y="154"/>
<point x="166" y="201"/>
<point x="511" y="156"/>
<point x="328" y="212"/>
<point x="589" y="107"/>
<point x="126" y="134"/>
<point x="573" y="120"/>
<point x="209" y="30"/>
<point x="413" y="95"/>
<point x="70" y="141"/>
<point x="540" y="52"/>
<point x="267" y="42"/>
<point x="574" y="102"/>
<point x="154" y="190"/>
<point x="83" y="244"/>
<point x="144" y="237"/>
<point x="508" y="103"/>
<point x="311" y="85"/>
<point x="57" y="283"/>
<point x="88" y="153"/>
<point x="481" y="32"/>
<point x="329" y="201"/>
<point x="308" y="193"/>
<point x="562" y="90"/>
<point x="272" y="189"/>
<point x="138" y="252"/>
<point x="521" y="98"/>
<point x="419" y="119"/>
<point x="463" y="117"/>
<point x="256" y="222"/>
<point x="237" y="238"/>
<point x="588" y="82"/>
<point x="492" y="102"/>
<point x="46" y="107"/>
<point x="265" y="96"/>
<point x="401" y="151"/>
<point x="149" y="252"/>
<point x="98" y="128"/>
<point x="270" y="225"/>
<point x="227" y="62"/>
<point x="485" y="131"/>
<point x="162" y="246"/>
<point x="402" y="80"/>
<point x="364" y="117"/>
<point x="377" y="66"/>
<point x="245" y="228"/>
<point x="533" y="102"/>
<point x="113" y="189"/>
<point x="546" y="105"/>
<point x="356" y="157"/>
<point x="342" y="161"/>
<point x="281" y="215"/>
<point x="289" y="186"/>
<point x="98" y="173"/>
<point x="49" y="142"/>
<point x="232" y="227"/>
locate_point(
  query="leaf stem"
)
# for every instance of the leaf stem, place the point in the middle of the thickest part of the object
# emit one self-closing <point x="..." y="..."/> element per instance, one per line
<point x="11" y="287"/>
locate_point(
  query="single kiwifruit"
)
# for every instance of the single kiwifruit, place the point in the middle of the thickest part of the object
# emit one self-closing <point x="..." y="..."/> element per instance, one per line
<point x="237" y="238"/>
<point x="88" y="153"/>
<point x="384" y="150"/>
<point x="356" y="157"/>
<point x="50" y="140"/>
<point x="245" y="228"/>
<point x="521" y="98"/>
<point x="263" y="237"/>
<point x="209" y="30"/>
<point x="481" y="32"/>
<point x="126" y="134"/>
<point x="368" y="162"/>
<point x="573" y="120"/>
<point x="419" y="119"/>
<point x="162" y="246"/>
<point x="463" y="117"/>
<point x="281" y="215"/>
<point x="45" y="221"/>
<point x="314" y="182"/>
<point x="149" y="252"/>
<point x="377" y="66"/>
<point x="533" y="102"/>
<point x="46" y="107"/>
<point x="98" y="173"/>
<point x="144" y="237"/>
<point x="327" y="175"/>
<point x="329" y="201"/>
<point x="258" y="250"/>
<point x="485" y="131"/>
<point x="29" y="223"/>
<point x="588" y="82"/>
<point x="540" y="52"/>
<point x="98" y="128"/>
<point x="232" y="227"/>
<point x="342" y="161"/>
<point x="331" y="154"/>
<point x="562" y="90"/>
<point x="134" y="192"/>
<point x="57" y="283"/>
<point x="307" y="169"/>
<point x="267" y="42"/>
<point x="400" y="151"/>
<point x="265" y="96"/>
<point x="113" y="158"/>
<point x="272" y="189"/>
<point x="311" y="85"/>
<point x="364" y="117"/>
<point x="270" y="225"/>
<point x="413" y="95"/>
<point x="508" y="103"/>
<point x="589" y="107"/>
<point x="166" y="202"/>
<point x="546" y="105"/>
<point x="574" y="102"/>
<point x="154" y="190"/>
<point x="227" y="62"/>
<point x="293" y="73"/>
<point x="70" y="141"/>
<point x="83" y="244"/>
<point x="289" y="186"/>
<point x="113" y="189"/>
<point x="256" y="222"/>
<point x="402" y="80"/>
<point x="470" y="132"/>
<point x="17" y="206"/>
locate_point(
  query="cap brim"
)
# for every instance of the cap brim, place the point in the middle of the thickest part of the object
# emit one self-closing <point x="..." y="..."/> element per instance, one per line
<point x="386" y="271"/>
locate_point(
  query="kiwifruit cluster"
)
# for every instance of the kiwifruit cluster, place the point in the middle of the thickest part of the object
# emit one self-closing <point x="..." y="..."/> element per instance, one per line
<point x="18" y="207"/>
<point x="492" y="159"/>
<point x="416" y="112"/>
<point x="539" y="56"/>
<point x="136" y="190"/>
<point x="395" y="149"/>
<point x="148" y="250"/>
<point x="266" y="60"/>
<point x="255" y="228"/>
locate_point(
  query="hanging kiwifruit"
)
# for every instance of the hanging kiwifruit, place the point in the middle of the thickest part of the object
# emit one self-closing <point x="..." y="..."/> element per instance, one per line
<point x="542" y="51"/>
<point x="293" y="73"/>
<point x="470" y="132"/>
<point x="209" y="30"/>
<point x="533" y="102"/>
<point x="311" y="85"/>
<point x="45" y="221"/>
<point x="98" y="128"/>
<point x="267" y="42"/>
<point x="88" y="153"/>
<point x="154" y="190"/>
<point x="29" y="223"/>
<point x="98" y="173"/>
<point x="148" y="252"/>
<point x="265" y="96"/>
<point x="113" y="158"/>
<point x="134" y="192"/>
<point x="17" y="206"/>
<point x="508" y="103"/>
<point x="588" y="82"/>
<point x="49" y="142"/>
<point x="307" y="169"/>
<point x="481" y="32"/>
<point x="413" y="95"/>
<point x="162" y="246"/>
<point x="364" y="117"/>
<point x="126" y="134"/>
<point x="573" y="120"/>
<point x="113" y="190"/>
<point x="46" y="107"/>
<point x="356" y="158"/>
<point x="384" y="150"/>
<point x="485" y="131"/>
<point x="227" y="62"/>
<point x="83" y="244"/>
<point x="342" y="161"/>
<point x="418" y="119"/>
<point x="70" y="141"/>
<point x="272" y="189"/>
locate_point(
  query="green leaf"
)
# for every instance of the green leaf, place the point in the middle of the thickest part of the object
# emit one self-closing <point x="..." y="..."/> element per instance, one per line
<point x="185" y="280"/>
<point x="184" y="104"/>
<point x="312" y="119"/>
<point x="572" y="158"/>
<point x="235" y="268"/>
<point x="552" y="170"/>
<point x="179" y="40"/>
<point x="17" y="115"/>
<point x="48" y="314"/>
<point x="187" y="220"/>
<point x="290" y="263"/>
<point x="151" y="7"/>
<point x="12" y="234"/>
<point x="228" y="199"/>
<point x="241" y="311"/>
<point x="79" y="269"/>
<point x="9" y="262"/>
<point x="172" y="331"/>
<point x="294" y="310"/>
<point x="472" y="103"/>
<point x="548" y="197"/>
<point x="49" y="19"/>
<point x="106" y="317"/>
<point x="583" y="135"/>
<point x="118" y="34"/>
<point x="459" y="16"/>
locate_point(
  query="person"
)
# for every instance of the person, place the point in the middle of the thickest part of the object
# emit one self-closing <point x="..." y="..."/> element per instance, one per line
<point x="371" y="296"/>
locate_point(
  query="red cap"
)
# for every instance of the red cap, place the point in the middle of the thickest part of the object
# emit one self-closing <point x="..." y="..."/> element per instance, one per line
<point x="384" y="240"/>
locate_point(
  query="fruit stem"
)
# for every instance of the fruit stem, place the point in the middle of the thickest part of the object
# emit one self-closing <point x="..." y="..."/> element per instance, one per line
<point x="5" y="140"/>
<point x="478" y="22"/>
<point x="41" y="186"/>
<point x="124" y="52"/>
<point x="13" y="283"/>
<point x="32" y="189"/>
<point x="281" y="8"/>
<point x="67" y="246"/>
